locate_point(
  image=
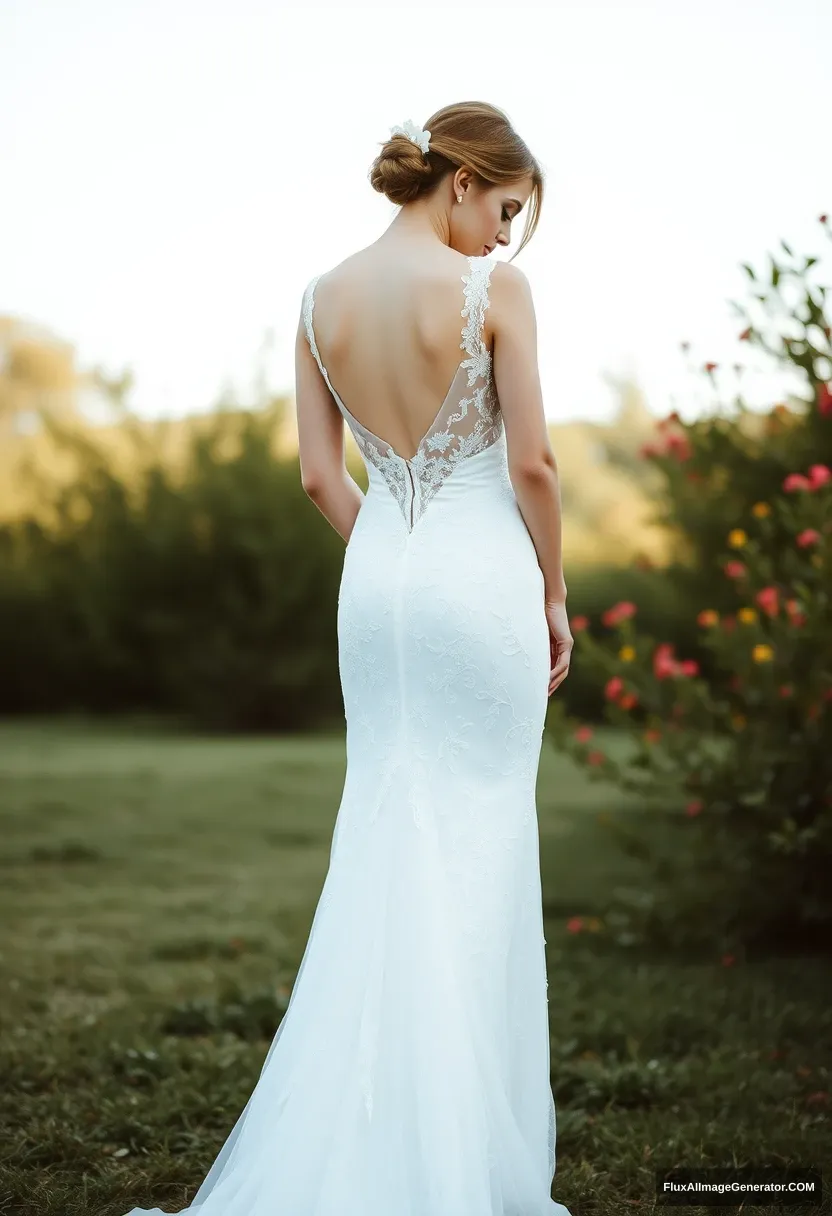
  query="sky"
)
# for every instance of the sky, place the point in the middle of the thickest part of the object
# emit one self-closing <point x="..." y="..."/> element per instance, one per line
<point x="176" y="171"/>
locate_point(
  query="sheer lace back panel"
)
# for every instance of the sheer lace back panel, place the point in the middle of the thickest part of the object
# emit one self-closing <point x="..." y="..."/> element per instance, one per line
<point x="467" y="422"/>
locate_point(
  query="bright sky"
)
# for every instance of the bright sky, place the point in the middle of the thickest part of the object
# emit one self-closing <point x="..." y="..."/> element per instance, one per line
<point x="175" y="171"/>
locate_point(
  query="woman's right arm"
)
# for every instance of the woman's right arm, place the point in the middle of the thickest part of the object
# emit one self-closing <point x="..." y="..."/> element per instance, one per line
<point x="531" y="462"/>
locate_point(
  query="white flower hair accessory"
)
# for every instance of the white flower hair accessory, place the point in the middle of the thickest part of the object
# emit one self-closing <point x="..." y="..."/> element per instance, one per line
<point x="414" y="133"/>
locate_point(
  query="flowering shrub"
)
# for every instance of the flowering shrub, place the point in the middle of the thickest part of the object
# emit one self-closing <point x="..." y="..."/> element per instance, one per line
<point x="735" y="742"/>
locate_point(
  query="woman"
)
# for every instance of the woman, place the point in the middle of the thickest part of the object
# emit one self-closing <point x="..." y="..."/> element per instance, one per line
<point x="410" y="1073"/>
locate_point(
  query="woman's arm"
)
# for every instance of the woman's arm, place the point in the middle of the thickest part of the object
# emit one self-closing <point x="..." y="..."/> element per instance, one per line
<point x="321" y="451"/>
<point x="532" y="466"/>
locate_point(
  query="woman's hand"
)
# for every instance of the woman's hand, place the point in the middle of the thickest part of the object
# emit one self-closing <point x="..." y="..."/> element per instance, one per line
<point x="560" y="642"/>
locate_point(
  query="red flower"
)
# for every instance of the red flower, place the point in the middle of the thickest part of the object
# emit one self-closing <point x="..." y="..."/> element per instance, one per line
<point x="694" y="807"/>
<point x="584" y="733"/>
<point x="579" y="623"/>
<point x="652" y="735"/>
<point x="786" y="690"/>
<point x="628" y="700"/>
<point x="574" y="924"/>
<point x="664" y="663"/>
<point x="678" y="446"/>
<point x="595" y="758"/>
<point x="809" y="536"/>
<point x="768" y="600"/>
<point x="613" y="688"/>
<point x="824" y="400"/>
<point x="796" y="481"/>
<point x="819" y="474"/>
<point x="689" y="667"/>
<point x="734" y="569"/>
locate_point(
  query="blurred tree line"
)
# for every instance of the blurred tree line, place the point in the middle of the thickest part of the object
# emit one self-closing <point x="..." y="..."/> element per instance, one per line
<point x="179" y="568"/>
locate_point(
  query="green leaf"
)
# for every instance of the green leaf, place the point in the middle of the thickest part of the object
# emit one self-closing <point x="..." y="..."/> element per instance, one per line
<point x="788" y="251"/>
<point x="749" y="271"/>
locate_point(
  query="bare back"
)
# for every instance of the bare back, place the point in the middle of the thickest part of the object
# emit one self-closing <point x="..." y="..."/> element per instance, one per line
<point x="387" y="327"/>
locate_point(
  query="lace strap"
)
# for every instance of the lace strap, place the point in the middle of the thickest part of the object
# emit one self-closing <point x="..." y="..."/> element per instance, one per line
<point x="308" y="304"/>
<point x="476" y="302"/>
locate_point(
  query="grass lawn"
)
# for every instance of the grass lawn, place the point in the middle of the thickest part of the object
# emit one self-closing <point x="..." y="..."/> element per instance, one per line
<point x="157" y="893"/>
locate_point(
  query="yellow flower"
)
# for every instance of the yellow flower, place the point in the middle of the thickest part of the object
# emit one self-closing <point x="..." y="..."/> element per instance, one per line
<point x="762" y="653"/>
<point x="737" y="721"/>
<point x="627" y="654"/>
<point x="747" y="615"/>
<point x="761" y="510"/>
<point x="737" y="538"/>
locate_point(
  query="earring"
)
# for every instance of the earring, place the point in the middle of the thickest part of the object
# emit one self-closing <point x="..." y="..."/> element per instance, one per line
<point x="459" y="198"/>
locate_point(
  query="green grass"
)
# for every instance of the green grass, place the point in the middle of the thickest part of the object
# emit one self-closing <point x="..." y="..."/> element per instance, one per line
<point x="157" y="892"/>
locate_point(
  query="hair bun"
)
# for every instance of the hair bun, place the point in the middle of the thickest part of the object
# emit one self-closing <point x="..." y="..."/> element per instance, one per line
<point x="400" y="170"/>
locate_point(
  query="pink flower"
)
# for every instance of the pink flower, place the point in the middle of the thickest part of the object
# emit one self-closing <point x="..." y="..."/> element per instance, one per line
<point x="694" y="807"/>
<point x="689" y="667"/>
<point x="796" y="481"/>
<point x="628" y="701"/>
<point x="664" y="664"/>
<point x="768" y="600"/>
<point x="809" y="536"/>
<point x="619" y="612"/>
<point x="819" y="474"/>
<point x="574" y="924"/>
<point x="613" y="688"/>
<point x="678" y="446"/>
<point x="734" y="569"/>
<point x="579" y="623"/>
<point x="584" y="733"/>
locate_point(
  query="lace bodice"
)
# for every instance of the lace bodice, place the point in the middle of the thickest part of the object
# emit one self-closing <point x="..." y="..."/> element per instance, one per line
<point x="468" y="420"/>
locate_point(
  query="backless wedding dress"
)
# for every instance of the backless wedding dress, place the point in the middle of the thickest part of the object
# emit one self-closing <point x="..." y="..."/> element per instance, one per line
<point x="410" y="1073"/>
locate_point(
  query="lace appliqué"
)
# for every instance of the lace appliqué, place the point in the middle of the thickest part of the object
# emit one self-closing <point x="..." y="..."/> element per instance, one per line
<point x="464" y="425"/>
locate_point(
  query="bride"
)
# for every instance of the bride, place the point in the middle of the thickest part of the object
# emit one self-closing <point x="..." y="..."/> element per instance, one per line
<point x="410" y="1073"/>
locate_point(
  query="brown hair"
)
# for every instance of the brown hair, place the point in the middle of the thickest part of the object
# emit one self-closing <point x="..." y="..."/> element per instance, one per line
<point x="473" y="134"/>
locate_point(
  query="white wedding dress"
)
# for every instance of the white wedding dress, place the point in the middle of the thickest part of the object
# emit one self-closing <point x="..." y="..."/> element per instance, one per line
<point x="410" y="1073"/>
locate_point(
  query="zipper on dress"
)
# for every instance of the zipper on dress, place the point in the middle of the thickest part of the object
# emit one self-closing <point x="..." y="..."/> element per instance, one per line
<point x="412" y="492"/>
